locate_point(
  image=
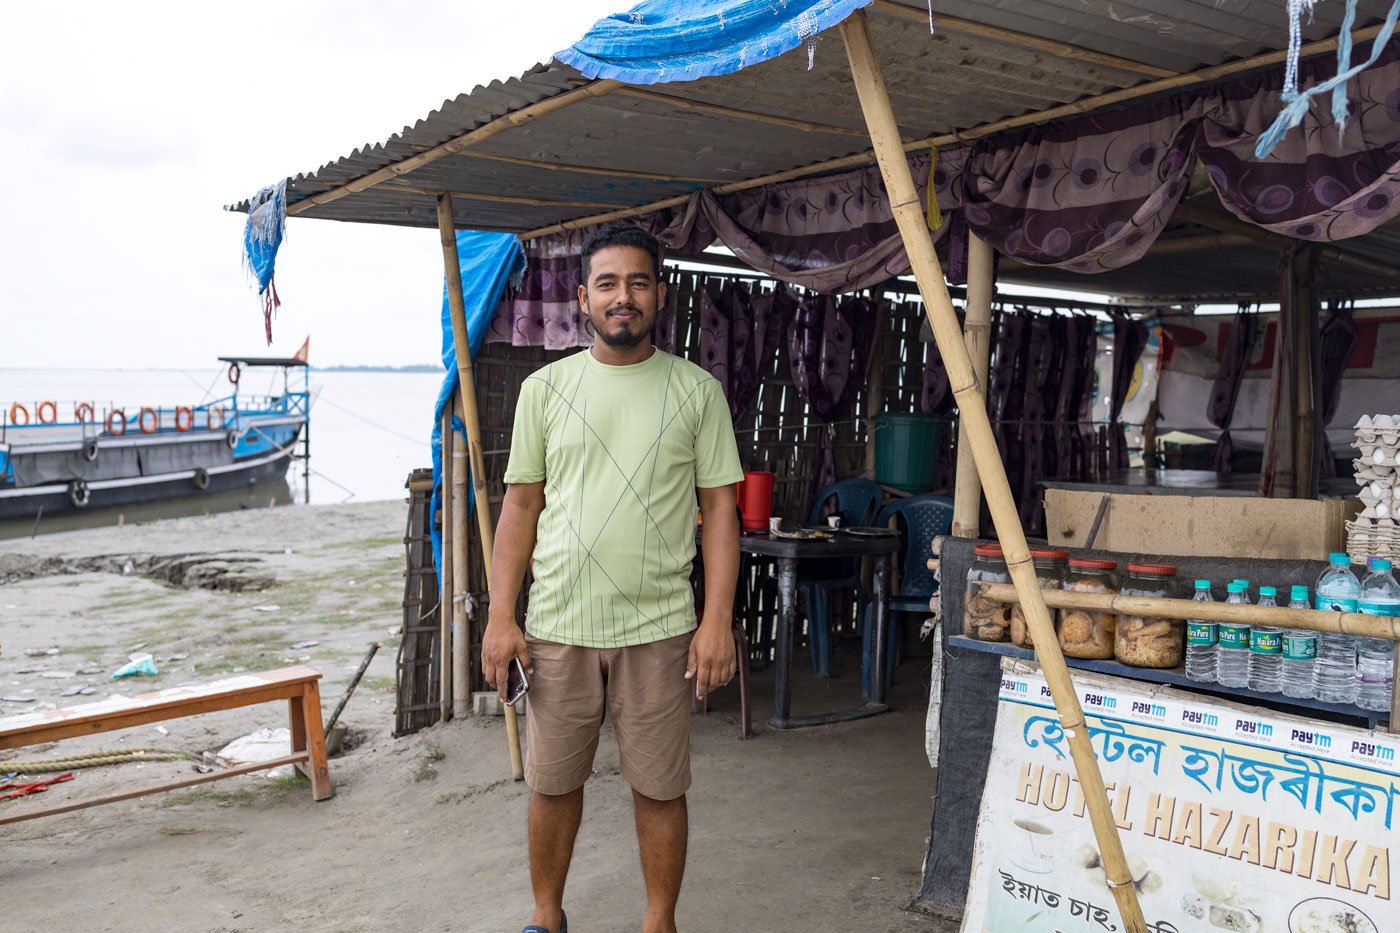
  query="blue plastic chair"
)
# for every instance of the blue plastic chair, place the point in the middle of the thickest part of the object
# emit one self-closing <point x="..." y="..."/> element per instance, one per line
<point x="856" y="502"/>
<point x="925" y="518"/>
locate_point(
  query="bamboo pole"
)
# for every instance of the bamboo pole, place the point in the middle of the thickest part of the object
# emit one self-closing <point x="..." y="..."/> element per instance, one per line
<point x="471" y="418"/>
<point x="977" y="333"/>
<point x="446" y="586"/>
<point x="908" y="212"/>
<point x="588" y="169"/>
<point x="804" y="126"/>
<point x="1312" y="620"/>
<point x="1058" y="49"/>
<point x="1304" y="310"/>
<point x="1087" y="105"/>
<point x="461" y="634"/>
<point x="452" y="146"/>
<point x="494" y="198"/>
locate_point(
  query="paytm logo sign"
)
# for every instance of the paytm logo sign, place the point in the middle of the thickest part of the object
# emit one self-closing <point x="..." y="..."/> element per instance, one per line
<point x="1100" y="701"/>
<point x="1252" y="727"/>
<point x="1315" y="739"/>
<point x="1150" y="709"/>
<point x="1373" y="750"/>
<point x="1199" y="719"/>
<point x="1014" y="686"/>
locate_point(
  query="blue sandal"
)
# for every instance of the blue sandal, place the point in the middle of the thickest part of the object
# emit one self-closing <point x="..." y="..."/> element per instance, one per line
<point x="536" y="928"/>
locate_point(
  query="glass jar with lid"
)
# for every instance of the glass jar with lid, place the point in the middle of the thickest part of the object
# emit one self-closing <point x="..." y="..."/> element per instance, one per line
<point x="1050" y="569"/>
<point x="984" y="618"/>
<point x="1088" y="633"/>
<point x="1144" y="640"/>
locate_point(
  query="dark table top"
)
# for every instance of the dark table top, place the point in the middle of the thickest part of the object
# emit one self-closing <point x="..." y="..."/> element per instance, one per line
<point x="841" y="544"/>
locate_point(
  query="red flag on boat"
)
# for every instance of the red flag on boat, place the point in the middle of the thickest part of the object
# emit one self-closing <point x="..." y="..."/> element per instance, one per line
<point x="301" y="354"/>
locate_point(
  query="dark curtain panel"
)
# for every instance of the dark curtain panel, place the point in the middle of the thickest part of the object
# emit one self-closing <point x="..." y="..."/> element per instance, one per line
<point x="1225" y="390"/>
<point x="739" y="335"/>
<point x="1129" y="340"/>
<point x="1337" y="338"/>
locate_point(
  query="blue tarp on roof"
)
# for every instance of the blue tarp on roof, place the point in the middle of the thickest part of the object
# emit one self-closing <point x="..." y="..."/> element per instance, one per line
<point x="682" y="40"/>
<point x="489" y="261"/>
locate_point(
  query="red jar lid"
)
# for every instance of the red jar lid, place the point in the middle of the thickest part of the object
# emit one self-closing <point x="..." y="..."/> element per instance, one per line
<point x="1165" y="569"/>
<point x="1043" y="553"/>
<point x="988" y="550"/>
<point x="1084" y="563"/>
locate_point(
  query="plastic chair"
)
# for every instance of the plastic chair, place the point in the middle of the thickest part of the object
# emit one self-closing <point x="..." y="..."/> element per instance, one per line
<point x="741" y="658"/>
<point x="856" y="502"/>
<point x="925" y="518"/>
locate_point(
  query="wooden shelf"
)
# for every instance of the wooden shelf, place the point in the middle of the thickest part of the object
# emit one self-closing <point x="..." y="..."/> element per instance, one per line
<point x="1342" y="712"/>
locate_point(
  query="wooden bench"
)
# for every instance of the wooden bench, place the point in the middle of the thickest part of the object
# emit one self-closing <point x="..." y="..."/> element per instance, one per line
<point x="297" y="685"/>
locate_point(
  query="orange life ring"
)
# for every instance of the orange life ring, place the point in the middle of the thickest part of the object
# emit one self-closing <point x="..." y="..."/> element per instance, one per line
<point x="52" y="415"/>
<point x="18" y="408"/>
<point x="155" y="420"/>
<point x="82" y="412"/>
<point x="184" y="418"/>
<point x="209" y="421"/>
<point x="234" y="373"/>
<point x="116" y="422"/>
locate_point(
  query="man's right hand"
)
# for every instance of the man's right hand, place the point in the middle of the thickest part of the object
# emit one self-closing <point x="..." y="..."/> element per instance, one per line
<point x="502" y="641"/>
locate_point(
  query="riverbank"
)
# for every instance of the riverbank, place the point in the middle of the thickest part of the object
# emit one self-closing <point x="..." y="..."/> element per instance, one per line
<point x="820" y="829"/>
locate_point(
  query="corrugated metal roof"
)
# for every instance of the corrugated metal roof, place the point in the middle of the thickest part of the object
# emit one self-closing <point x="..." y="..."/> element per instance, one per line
<point x="970" y="73"/>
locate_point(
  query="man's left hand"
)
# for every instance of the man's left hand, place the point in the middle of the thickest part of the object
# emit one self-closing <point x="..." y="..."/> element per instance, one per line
<point x="711" y="663"/>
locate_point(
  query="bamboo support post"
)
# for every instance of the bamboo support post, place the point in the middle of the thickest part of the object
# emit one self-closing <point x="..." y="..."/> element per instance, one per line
<point x="446" y="588"/>
<point x="1312" y="620"/>
<point x="1305" y="331"/>
<point x="909" y="214"/>
<point x="977" y="333"/>
<point x="471" y="418"/>
<point x="461" y="634"/>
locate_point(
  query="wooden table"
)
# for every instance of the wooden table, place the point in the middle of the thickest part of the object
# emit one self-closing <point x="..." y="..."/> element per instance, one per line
<point x="1188" y="483"/>
<point x="787" y="552"/>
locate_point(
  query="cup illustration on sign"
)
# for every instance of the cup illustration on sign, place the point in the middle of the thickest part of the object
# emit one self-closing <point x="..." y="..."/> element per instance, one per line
<point x="1032" y="856"/>
<point x="1328" y="915"/>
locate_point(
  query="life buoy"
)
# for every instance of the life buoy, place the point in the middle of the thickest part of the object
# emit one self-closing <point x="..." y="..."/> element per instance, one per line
<point x="184" y="418"/>
<point x="78" y="493"/>
<point x="232" y="439"/>
<point x="90" y="450"/>
<point x="52" y="415"/>
<point x="16" y="410"/>
<point x="234" y="373"/>
<point x="201" y="478"/>
<point x="82" y="412"/>
<point x="209" y="420"/>
<point x="155" y="420"/>
<point x="116" y="422"/>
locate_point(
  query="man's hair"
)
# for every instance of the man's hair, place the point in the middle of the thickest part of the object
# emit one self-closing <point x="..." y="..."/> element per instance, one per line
<point x="621" y="234"/>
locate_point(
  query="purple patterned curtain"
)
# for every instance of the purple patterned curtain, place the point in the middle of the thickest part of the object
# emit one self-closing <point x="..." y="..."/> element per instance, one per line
<point x="937" y="395"/>
<point x="1225" y="391"/>
<point x="1337" y="338"/>
<point x="1129" y="340"/>
<point x="829" y="349"/>
<point x="739" y="335"/>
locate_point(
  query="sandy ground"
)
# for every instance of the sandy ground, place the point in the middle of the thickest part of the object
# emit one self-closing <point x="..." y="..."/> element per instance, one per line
<point x="821" y="829"/>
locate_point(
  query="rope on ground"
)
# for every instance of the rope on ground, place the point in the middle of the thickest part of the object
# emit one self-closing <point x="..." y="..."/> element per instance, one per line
<point x="94" y="760"/>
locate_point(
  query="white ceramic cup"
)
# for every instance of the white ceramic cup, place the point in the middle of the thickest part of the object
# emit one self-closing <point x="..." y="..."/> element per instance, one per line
<point x="833" y="521"/>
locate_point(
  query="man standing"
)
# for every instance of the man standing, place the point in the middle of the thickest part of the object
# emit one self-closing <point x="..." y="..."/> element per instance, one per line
<point x="611" y="449"/>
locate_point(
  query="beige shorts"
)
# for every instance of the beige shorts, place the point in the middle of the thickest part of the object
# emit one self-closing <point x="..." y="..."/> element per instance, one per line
<point x="645" y="693"/>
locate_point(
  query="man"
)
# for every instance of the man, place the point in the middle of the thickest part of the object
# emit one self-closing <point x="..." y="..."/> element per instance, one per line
<point x="611" y="449"/>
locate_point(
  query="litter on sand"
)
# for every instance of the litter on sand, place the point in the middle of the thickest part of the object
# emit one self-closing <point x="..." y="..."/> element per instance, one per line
<point x="305" y="644"/>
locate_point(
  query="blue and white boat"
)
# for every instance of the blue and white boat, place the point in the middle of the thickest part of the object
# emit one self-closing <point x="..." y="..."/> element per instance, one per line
<point x="58" y="457"/>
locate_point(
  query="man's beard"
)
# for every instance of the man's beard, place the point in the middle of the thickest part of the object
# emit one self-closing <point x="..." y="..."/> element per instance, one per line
<point x="626" y="339"/>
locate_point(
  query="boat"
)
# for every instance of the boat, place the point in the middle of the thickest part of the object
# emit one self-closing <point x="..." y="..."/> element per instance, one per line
<point x="69" y="457"/>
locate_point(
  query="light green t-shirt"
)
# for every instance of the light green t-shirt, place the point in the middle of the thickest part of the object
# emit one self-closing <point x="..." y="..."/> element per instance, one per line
<point x="621" y="450"/>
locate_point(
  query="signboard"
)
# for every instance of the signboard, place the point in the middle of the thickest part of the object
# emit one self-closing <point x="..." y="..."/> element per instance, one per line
<point x="1232" y="819"/>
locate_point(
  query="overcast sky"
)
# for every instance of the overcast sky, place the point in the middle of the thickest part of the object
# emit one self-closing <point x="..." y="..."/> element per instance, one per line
<point x="125" y="128"/>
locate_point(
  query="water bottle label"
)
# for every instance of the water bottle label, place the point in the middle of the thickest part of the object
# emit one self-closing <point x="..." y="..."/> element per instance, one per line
<point x="1374" y="677"/>
<point x="1378" y="609"/>
<point x="1266" y="642"/>
<point x="1202" y="634"/>
<point x="1234" y="636"/>
<point x="1335" y="604"/>
<point x="1299" y="647"/>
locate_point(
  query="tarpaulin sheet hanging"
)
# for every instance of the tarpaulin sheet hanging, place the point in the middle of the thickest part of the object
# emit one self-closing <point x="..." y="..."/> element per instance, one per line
<point x="682" y="40"/>
<point x="488" y="261"/>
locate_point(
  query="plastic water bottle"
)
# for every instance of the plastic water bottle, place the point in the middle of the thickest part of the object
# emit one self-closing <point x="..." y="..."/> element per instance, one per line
<point x="1202" y="639"/>
<point x="1299" y="652"/>
<point x="1334" y="675"/>
<point x="1266" y="649"/>
<point x="1232" y="658"/>
<point x="1380" y="596"/>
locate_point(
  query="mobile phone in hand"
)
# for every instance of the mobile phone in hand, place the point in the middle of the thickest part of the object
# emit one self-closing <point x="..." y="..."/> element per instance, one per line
<point x="516" y="682"/>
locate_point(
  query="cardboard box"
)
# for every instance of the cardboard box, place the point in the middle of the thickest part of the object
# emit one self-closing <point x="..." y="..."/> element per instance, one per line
<point x="1200" y="526"/>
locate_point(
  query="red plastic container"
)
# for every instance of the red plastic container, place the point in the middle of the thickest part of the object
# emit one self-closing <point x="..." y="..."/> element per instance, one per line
<point x="755" y="500"/>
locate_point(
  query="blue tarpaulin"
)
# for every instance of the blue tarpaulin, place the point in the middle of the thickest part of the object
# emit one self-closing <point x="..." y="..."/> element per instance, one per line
<point x="682" y="40"/>
<point x="489" y="261"/>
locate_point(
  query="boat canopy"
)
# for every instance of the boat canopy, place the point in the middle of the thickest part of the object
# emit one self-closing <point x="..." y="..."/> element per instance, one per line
<point x="263" y="360"/>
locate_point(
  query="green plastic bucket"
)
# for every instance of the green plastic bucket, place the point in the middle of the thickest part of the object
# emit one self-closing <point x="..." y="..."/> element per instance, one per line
<point x="906" y="450"/>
